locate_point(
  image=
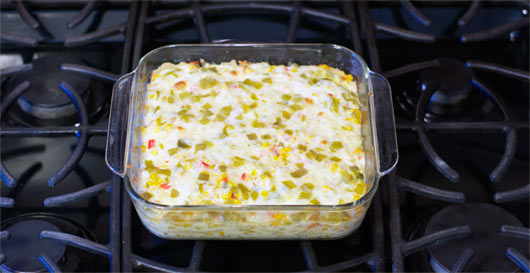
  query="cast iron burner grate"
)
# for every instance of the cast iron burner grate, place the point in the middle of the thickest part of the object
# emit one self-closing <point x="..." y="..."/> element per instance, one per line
<point x="72" y="91"/>
<point x="510" y="125"/>
<point x="362" y="29"/>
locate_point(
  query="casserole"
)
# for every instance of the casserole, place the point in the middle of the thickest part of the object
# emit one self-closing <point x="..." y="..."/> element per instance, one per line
<point x="253" y="221"/>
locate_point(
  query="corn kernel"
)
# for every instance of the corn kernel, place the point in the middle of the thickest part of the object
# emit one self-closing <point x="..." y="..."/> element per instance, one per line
<point x="223" y="177"/>
<point x="356" y="116"/>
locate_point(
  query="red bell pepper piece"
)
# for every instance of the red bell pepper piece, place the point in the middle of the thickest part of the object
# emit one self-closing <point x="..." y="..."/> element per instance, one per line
<point x="274" y="151"/>
<point x="151" y="143"/>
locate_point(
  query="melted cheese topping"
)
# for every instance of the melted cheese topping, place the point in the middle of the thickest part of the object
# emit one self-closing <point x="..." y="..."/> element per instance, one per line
<point x="251" y="133"/>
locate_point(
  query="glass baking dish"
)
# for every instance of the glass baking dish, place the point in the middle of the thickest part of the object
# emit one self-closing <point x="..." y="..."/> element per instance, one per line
<point x="253" y="221"/>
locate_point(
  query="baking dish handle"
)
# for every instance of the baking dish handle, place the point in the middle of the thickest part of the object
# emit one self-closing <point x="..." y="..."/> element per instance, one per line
<point x="385" y="124"/>
<point x="116" y="152"/>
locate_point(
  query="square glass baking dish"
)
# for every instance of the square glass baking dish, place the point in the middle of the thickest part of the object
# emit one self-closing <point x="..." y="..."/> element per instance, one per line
<point x="269" y="222"/>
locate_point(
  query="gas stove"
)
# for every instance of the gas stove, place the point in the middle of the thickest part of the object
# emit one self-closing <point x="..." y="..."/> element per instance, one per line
<point x="457" y="201"/>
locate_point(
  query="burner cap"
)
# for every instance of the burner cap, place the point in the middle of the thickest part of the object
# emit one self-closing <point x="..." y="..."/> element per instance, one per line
<point x="24" y="246"/>
<point x="452" y="84"/>
<point x="45" y="99"/>
<point x="451" y="81"/>
<point x="486" y="240"/>
<point x="454" y="95"/>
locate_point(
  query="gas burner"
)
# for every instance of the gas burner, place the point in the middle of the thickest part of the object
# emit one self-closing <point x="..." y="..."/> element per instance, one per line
<point x="451" y="81"/>
<point x="486" y="241"/>
<point x="45" y="103"/>
<point x="24" y="245"/>
<point x="45" y="99"/>
<point x="453" y="96"/>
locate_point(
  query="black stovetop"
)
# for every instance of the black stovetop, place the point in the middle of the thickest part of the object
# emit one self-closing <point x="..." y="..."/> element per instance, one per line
<point x="457" y="201"/>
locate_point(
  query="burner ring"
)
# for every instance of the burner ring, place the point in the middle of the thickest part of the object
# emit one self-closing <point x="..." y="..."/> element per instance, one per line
<point x="486" y="241"/>
<point x="44" y="103"/>
<point x="73" y="260"/>
<point x="45" y="78"/>
<point x="452" y="84"/>
<point x="24" y="246"/>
